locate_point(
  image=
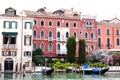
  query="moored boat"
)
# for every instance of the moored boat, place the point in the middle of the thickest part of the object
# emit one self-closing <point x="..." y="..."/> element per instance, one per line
<point x="43" y="70"/>
<point x="93" y="70"/>
<point x="88" y="70"/>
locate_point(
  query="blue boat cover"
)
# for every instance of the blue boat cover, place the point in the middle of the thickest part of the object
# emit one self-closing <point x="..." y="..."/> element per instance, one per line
<point x="85" y="66"/>
<point x="95" y="70"/>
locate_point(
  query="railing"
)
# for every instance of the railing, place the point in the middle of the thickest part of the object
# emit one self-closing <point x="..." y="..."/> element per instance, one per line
<point x="58" y="51"/>
<point x="9" y="46"/>
<point x="50" y="39"/>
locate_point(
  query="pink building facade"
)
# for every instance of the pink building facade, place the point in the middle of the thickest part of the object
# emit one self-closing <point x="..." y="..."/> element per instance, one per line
<point x="52" y="29"/>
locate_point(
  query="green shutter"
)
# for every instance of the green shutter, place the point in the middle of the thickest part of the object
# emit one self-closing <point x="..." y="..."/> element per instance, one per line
<point x="30" y="25"/>
<point x="16" y="24"/>
<point x="25" y="26"/>
<point x="4" y="24"/>
<point x="10" y="25"/>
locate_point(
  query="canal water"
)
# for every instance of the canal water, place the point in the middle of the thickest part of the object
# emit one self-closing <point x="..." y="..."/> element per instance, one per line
<point x="60" y="76"/>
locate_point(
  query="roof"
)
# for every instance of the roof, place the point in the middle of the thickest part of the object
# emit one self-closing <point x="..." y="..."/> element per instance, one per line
<point x="115" y="22"/>
<point x="29" y="13"/>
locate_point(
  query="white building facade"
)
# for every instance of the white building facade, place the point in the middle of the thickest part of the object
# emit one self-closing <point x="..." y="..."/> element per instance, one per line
<point x="15" y="42"/>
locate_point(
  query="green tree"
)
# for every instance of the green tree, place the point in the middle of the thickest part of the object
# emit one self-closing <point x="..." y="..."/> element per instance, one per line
<point x="37" y="57"/>
<point x="71" y="49"/>
<point x="82" y="51"/>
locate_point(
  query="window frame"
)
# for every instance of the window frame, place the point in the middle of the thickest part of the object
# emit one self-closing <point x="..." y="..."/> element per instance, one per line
<point x="26" y="25"/>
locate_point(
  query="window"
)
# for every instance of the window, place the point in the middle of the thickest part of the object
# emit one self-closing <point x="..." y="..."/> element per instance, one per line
<point x="7" y="24"/>
<point x="75" y="34"/>
<point x="117" y="32"/>
<point x="99" y="31"/>
<point x="14" y="25"/>
<point x="88" y="24"/>
<point x="74" y="24"/>
<point x="58" y="48"/>
<point x="34" y="46"/>
<point x="99" y="42"/>
<point x="42" y="46"/>
<point x="92" y="36"/>
<point x="10" y="13"/>
<point x="86" y="36"/>
<point x="92" y="47"/>
<point x="50" y="23"/>
<point x="10" y="24"/>
<point x="108" y="32"/>
<point x="42" y="35"/>
<point x="58" y="34"/>
<point x="67" y="24"/>
<point x="9" y="53"/>
<point x="27" y="40"/>
<point x="58" y="24"/>
<point x="28" y="25"/>
<point x="34" y="34"/>
<point x="27" y="53"/>
<point x="35" y="22"/>
<point x="50" y="47"/>
<point x="42" y="23"/>
<point x="50" y="34"/>
<point x="108" y="43"/>
<point x="67" y="35"/>
<point x="118" y="43"/>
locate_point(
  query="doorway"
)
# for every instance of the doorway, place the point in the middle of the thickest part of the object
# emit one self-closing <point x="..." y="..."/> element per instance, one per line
<point x="8" y="64"/>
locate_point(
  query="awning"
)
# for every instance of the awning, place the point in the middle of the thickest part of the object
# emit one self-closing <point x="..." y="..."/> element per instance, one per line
<point x="10" y="33"/>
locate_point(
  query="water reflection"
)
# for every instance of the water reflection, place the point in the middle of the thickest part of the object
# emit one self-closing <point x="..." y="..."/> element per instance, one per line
<point x="59" y="76"/>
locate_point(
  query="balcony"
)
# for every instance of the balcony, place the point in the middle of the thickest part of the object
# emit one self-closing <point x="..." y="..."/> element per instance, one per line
<point x="58" y="39"/>
<point x="58" y="51"/>
<point x="50" y="39"/>
<point x="9" y="46"/>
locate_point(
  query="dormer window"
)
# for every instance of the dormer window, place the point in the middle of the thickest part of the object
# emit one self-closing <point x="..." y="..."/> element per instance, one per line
<point x="59" y="12"/>
<point x="41" y="11"/>
<point x="10" y="12"/>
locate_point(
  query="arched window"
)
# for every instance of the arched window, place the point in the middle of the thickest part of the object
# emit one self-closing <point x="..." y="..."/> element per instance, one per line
<point x="35" y="22"/>
<point x="50" y="23"/>
<point x="58" y="47"/>
<point x="99" y="42"/>
<point x="50" y="34"/>
<point x="34" y="34"/>
<point x="86" y="36"/>
<point x="92" y="36"/>
<point x="67" y="34"/>
<point x="118" y="42"/>
<point x="67" y="24"/>
<point x="58" y="34"/>
<point x="117" y="32"/>
<point x="34" y="46"/>
<point x="92" y="47"/>
<point x="42" y="35"/>
<point x="58" y="24"/>
<point x="74" y="24"/>
<point x="42" y="46"/>
<point x="42" y="23"/>
<point x="75" y="34"/>
<point x="49" y="47"/>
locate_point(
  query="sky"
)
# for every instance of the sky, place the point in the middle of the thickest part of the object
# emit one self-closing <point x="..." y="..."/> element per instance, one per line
<point x="102" y="9"/>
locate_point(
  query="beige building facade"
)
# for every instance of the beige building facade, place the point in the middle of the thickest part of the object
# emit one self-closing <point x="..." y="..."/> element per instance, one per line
<point x="15" y="42"/>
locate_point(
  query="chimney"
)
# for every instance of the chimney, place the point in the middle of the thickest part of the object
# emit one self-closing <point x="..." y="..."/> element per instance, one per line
<point x="44" y="10"/>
